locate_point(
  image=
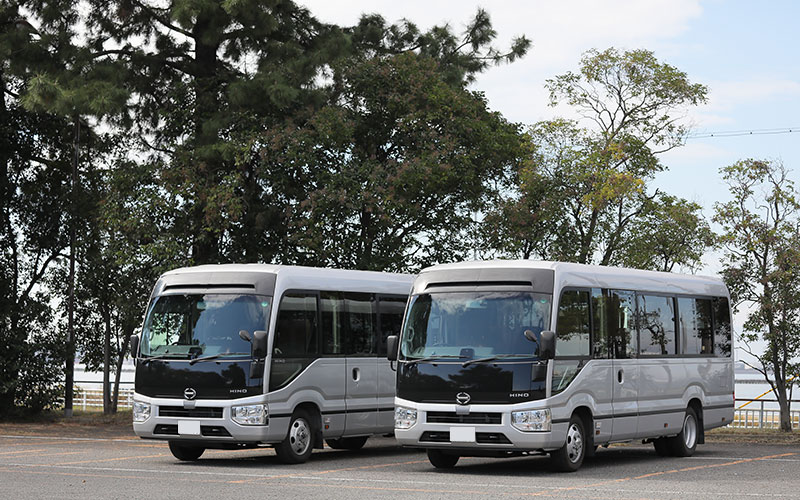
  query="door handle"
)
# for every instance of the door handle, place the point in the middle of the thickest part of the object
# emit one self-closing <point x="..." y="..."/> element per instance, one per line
<point x="619" y="376"/>
<point x="356" y="374"/>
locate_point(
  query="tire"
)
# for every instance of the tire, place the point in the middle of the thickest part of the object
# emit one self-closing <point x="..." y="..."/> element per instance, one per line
<point x="569" y="457"/>
<point x="663" y="447"/>
<point x="296" y="448"/>
<point x="442" y="460"/>
<point x="684" y="444"/>
<point x="348" y="443"/>
<point x="185" y="452"/>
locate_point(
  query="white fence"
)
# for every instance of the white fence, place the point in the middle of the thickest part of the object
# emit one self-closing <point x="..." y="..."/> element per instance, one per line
<point x="751" y="414"/>
<point x="89" y="399"/>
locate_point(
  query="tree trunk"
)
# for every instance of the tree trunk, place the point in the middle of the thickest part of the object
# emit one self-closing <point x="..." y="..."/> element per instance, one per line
<point x="70" y="354"/>
<point x="106" y="359"/>
<point x="126" y="338"/>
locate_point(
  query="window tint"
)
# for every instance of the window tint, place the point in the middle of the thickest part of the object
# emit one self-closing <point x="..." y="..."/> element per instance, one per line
<point x="360" y="321"/>
<point x="695" y="321"/>
<point x="333" y="332"/>
<point x="296" y="330"/>
<point x="390" y="310"/>
<point x="600" y="324"/>
<point x="722" y="327"/>
<point x="621" y="325"/>
<point x="656" y="325"/>
<point x="572" y="327"/>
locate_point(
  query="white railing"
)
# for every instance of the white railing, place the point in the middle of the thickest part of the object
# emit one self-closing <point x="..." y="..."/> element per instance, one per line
<point x="85" y="399"/>
<point x="751" y="414"/>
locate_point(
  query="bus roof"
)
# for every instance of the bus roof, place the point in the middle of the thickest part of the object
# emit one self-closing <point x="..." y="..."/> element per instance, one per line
<point x="592" y="276"/>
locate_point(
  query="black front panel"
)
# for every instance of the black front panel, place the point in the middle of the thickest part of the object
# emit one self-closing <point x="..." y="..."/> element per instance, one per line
<point x="209" y="379"/>
<point x="485" y="383"/>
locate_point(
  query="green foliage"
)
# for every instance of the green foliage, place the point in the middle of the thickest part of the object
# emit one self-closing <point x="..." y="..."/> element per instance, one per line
<point x="762" y="267"/>
<point x="585" y="187"/>
<point x="394" y="169"/>
<point x="670" y="231"/>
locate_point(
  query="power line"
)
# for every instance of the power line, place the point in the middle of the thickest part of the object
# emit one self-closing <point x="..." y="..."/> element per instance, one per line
<point x="739" y="133"/>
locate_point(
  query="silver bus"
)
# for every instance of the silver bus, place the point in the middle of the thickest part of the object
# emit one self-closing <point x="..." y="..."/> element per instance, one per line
<point x="239" y="356"/>
<point x="509" y="358"/>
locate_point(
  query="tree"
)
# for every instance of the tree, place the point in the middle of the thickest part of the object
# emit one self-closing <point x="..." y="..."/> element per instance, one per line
<point x="669" y="232"/>
<point x="395" y="168"/>
<point x="599" y="174"/>
<point x="762" y="268"/>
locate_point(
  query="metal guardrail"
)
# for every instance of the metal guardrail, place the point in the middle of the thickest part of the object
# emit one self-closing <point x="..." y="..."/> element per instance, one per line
<point x="758" y="417"/>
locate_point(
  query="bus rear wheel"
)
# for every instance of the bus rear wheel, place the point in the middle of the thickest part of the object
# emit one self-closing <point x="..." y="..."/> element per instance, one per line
<point x="348" y="443"/>
<point x="684" y="444"/>
<point x="185" y="452"/>
<point x="569" y="457"/>
<point x="442" y="460"/>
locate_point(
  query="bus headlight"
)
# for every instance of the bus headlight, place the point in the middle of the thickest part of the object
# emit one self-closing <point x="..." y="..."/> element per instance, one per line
<point x="404" y="418"/>
<point x="141" y="412"/>
<point x="250" y="414"/>
<point x="531" y="420"/>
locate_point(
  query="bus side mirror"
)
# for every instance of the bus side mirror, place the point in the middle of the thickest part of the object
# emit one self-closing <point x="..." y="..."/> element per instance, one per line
<point x="134" y="347"/>
<point x="391" y="347"/>
<point x="259" y="344"/>
<point x="547" y="345"/>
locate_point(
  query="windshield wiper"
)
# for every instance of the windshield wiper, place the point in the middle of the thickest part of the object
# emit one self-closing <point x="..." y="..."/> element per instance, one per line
<point x="166" y="355"/>
<point x="215" y="356"/>
<point x="434" y="357"/>
<point x="499" y="356"/>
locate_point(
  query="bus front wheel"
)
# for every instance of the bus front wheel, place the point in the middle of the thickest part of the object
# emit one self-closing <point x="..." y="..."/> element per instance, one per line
<point x="569" y="457"/>
<point x="442" y="460"/>
<point x="296" y="448"/>
<point x="184" y="452"/>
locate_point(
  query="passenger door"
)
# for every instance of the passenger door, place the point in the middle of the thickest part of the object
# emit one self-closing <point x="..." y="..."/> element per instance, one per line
<point x="361" y="378"/>
<point x="625" y="367"/>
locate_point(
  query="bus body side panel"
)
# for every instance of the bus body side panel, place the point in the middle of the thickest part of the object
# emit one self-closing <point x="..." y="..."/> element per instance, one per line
<point x="322" y="383"/>
<point x="718" y="405"/>
<point x="592" y="388"/>
<point x="387" y="380"/>
<point x="361" y="398"/>
<point x="662" y="384"/>
<point x="625" y="399"/>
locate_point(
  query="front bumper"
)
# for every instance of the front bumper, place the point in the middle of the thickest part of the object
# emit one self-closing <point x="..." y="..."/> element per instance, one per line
<point x="207" y="421"/>
<point x="475" y="435"/>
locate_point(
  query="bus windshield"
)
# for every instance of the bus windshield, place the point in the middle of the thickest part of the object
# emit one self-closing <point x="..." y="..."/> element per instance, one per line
<point x="183" y="326"/>
<point x="467" y="325"/>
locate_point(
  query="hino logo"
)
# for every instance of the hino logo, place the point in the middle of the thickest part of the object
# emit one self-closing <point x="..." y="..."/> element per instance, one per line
<point x="463" y="398"/>
<point x="189" y="393"/>
<point x="518" y="395"/>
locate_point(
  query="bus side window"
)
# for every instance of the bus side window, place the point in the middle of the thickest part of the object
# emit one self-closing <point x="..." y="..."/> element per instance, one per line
<point x="656" y="314"/>
<point x="333" y="332"/>
<point x="695" y="322"/>
<point x="296" y="330"/>
<point x="722" y="327"/>
<point x="390" y="318"/>
<point x="600" y="340"/>
<point x="572" y="328"/>
<point x="360" y="319"/>
<point x="621" y="325"/>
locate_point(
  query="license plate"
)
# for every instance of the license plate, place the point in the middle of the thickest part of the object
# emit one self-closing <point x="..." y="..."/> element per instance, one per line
<point x="462" y="434"/>
<point x="189" y="427"/>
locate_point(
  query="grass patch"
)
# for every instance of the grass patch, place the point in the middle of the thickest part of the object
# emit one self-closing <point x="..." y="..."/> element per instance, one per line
<point x="123" y="417"/>
<point x="735" y="435"/>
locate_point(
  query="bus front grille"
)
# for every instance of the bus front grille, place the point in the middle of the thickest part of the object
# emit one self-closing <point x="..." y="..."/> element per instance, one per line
<point x="179" y="411"/>
<point x="444" y="417"/>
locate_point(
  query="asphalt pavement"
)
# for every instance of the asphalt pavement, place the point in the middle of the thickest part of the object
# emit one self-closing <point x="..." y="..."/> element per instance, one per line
<point x="76" y="465"/>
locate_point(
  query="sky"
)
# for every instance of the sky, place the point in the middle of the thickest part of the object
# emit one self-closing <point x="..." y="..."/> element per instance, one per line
<point x="746" y="52"/>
